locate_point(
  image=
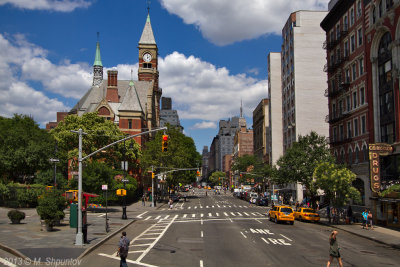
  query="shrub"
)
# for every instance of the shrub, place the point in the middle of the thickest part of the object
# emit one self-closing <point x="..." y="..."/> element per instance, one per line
<point x="16" y="215"/>
<point x="51" y="207"/>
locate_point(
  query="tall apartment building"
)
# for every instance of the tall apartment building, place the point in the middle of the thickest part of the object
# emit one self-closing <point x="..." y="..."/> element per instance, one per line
<point x="261" y="130"/>
<point x="304" y="106"/>
<point x="205" y="159"/>
<point x="169" y="115"/>
<point x="347" y="89"/>
<point x="274" y="143"/>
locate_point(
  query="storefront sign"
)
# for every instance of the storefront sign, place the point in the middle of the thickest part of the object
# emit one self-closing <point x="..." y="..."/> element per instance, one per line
<point x="375" y="151"/>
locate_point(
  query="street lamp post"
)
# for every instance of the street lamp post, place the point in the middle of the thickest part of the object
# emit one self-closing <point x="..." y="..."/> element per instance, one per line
<point x="124" y="165"/>
<point x="55" y="160"/>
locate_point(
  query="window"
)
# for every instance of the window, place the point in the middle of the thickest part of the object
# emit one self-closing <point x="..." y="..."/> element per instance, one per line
<point x="340" y="107"/>
<point x="356" y="127"/>
<point x="351" y="17"/>
<point x="389" y="4"/>
<point x="359" y="10"/>
<point x="332" y="36"/>
<point x="346" y="23"/>
<point x="373" y="15"/>
<point x="354" y="70"/>
<point x="365" y="153"/>
<point x="335" y="134"/>
<point x="337" y="31"/>
<point x="362" y="96"/>
<point x="341" y="132"/>
<point x="360" y="37"/>
<point x="347" y="76"/>
<point x="350" y="156"/>
<point x="129" y="124"/>
<point x="354" y="100"/>
<point x="334" y="110"/>
<point x="380" y="9"/>
<point x="361" y="64"/>
<point x="363" y="125"/>
<point x="352" y="43"/>
<point x="356" y="155"/>
<point x="348" y="103"/>
<point x="349" y="129"/>
<point x="346" y="48"/>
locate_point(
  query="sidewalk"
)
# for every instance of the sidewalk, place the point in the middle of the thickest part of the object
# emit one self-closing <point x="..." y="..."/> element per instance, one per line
<point x="28" y="240"/>
<point x="379" y="234"/>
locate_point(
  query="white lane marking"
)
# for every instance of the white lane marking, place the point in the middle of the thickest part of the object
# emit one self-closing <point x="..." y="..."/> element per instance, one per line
<point x="226" y="214"/>
<point x="246" y="214"/>
<point x="286" y="237"/>
<point x="201" y="263"/>
<point x="229" y="206"/>
<point x="230" y="220"/>
<point x="193" y="215"/>
<point x="189" y="208"/>
<point x="101" y="215"/>
<point x="166" y="217"/>
<point x="254" y="213"/>
<point x="202" y="215"/>
<point x="239" y="214"/>
<point x="147" y="218"/>
<point x="137" y="251"/>
<point x="201" y="207"/>
<point x="184" y="215"/>
<point x="233" y="214"/>
<point x="219" y="206"/>
<point x="201" y="221"/>
<point x="234" y="206"/>
<point x="195" y="207"/>
<point x="217" y="214"/>
<point x="209" y="215"/>
<point x="240" y="206"/>
<point x="158" y="217"/>
<point x="258" y="221"/>
<point x="201" y="234"/>
<point x="206" y="207"/>
<point x="264" y="240"/>
<point x="224" y="206"/>
<point x="212" y="206"/>
<point x="141" y="245"/>
<point x="243" y="235"/>
<point x="140" y="215"/>
<point x="7" y="263"/>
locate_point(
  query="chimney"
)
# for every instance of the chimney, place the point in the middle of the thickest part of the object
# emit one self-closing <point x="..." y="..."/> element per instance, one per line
<point x="112" y="89"/>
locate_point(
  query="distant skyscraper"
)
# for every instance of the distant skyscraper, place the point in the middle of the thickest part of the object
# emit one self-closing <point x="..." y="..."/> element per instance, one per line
<point x="168" y="115"/>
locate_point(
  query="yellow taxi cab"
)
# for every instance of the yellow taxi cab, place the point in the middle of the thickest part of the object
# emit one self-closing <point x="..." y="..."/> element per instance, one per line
<point x="281" y="213"/>
<point x="306" y="214"/>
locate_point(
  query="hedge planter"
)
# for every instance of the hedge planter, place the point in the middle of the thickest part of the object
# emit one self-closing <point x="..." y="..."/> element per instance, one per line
<point x="16" y="216"/>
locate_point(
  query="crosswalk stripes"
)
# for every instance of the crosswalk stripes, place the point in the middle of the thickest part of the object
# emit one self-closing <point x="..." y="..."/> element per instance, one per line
<point x="162" y="218"/>
<point x="216" y="206"/>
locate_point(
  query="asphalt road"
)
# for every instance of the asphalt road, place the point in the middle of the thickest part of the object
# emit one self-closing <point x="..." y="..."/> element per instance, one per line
<point x="220" y="230"/>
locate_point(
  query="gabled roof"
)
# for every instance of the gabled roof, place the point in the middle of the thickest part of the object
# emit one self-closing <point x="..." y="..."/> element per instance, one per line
<point x="131" y="100"/>
<point x="147" y="34"/>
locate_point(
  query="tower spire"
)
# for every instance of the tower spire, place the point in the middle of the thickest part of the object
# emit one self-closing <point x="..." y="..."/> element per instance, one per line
<point x="241" y="108"/>
<point x="148" y="6"/>
<point x="97" y="65"/>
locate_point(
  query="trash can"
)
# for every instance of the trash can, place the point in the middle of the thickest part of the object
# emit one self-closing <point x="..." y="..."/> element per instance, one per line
<point x="73" y="215"/>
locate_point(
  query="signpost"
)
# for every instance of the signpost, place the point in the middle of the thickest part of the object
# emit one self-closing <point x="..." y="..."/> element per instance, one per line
<point x="104" y="187"/>
<point x="375" y="151"/>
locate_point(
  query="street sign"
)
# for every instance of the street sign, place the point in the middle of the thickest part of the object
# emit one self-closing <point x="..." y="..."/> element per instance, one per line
<point x="124" y="165"/>
<point x="125" y="180"/>
<point x="54" y="160"/>
<point x="104" y="187"/>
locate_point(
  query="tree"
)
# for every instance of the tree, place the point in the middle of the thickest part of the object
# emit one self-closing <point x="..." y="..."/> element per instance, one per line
<point x="299" y="162"/>
<point x="217" y="177"/>
<point x="181" y="153"/>
<point x="24" y="148"/>
<point x="100" y="132"/>
<point x="336" y="182"/>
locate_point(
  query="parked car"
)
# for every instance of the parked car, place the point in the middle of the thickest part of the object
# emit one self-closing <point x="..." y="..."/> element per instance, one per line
<point x="262" y="201"/>
<point x="281" y="214"/>
<point x="306" y="214"/>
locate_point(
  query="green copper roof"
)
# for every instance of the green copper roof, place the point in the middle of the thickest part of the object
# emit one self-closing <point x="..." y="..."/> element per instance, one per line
<point x="148" y="18"/>
<point x="97" y="59"/>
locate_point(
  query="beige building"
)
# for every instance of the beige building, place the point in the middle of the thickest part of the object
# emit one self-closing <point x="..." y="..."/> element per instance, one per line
<point x="275" y="139"/>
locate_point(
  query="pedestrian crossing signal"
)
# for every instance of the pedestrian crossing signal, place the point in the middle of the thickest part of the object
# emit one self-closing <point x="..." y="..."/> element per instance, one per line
<point x="198" y="173"/>
<point x="164" y="143"/>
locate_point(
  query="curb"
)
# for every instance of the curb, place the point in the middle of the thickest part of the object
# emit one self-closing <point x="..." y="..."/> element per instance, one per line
<point x="396" y="246"/>
<point x="90" y="249"/>
<point x="14" y="252"/>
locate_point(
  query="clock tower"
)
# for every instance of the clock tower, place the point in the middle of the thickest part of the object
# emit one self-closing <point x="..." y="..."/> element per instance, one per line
<point x="148" y="55"/>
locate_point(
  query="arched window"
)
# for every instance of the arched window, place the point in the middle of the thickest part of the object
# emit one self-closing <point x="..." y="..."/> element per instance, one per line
<point x="350" y="153"/>
<point x="356" y="154"/>
<point x="365" y="153"/>
<point x="373" y="15"/>
<point x="386" y="101"/>
<point x="380" y="9"/>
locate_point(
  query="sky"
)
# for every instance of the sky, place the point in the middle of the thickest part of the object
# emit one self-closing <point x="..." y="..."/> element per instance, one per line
<point x="212" y="53"/>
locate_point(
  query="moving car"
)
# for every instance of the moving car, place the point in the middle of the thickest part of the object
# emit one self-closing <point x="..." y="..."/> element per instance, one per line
<point x="281" y="214"/>
<point x="306" y="214"/>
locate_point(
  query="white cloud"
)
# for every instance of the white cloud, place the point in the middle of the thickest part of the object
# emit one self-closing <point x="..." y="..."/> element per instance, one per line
<point x="16" y="96"/>
<point x="205" y="125"/>
<point x="227" y="21"/>
<point x="53" y="5"/>
<point x="201" y="91"/>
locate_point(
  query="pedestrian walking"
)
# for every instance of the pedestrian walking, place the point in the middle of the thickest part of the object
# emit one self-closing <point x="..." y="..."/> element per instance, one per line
<point x="144" y="200"/>
<point x="334" y="250"/>
<point x="123" y="248"/>
<point x="369" y="217"/>
<point x="171" y="204"/>
<point x="365" y="219"/>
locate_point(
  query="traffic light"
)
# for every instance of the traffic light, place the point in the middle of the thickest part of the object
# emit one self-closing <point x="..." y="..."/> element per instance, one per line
<point x="164" y="143"/>
<point x="198" y="173"/>
<point x="152" y="175"/>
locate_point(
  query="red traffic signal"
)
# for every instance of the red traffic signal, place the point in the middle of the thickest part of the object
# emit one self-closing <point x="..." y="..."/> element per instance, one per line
<point x="164" y="143"/>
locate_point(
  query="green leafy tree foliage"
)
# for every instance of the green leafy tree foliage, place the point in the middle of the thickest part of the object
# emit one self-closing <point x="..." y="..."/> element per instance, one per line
<point x="47" y="178"/>
<point x="299" y="162"/>
<point x="181" y="153"/>
<point x="217" y="178"/>
<point x="51" y="206"/>
<point x="24" y="148"/>
<point x="336" y="182"/>
<point x="390" y="190"/>
<point x="100" y="132"/>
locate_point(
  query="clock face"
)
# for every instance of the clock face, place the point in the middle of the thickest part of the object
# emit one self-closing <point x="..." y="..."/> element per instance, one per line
<point x="147" y="57"/>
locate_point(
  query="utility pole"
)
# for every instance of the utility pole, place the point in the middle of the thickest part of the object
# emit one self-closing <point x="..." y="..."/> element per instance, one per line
<point x="152" y="186"/>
